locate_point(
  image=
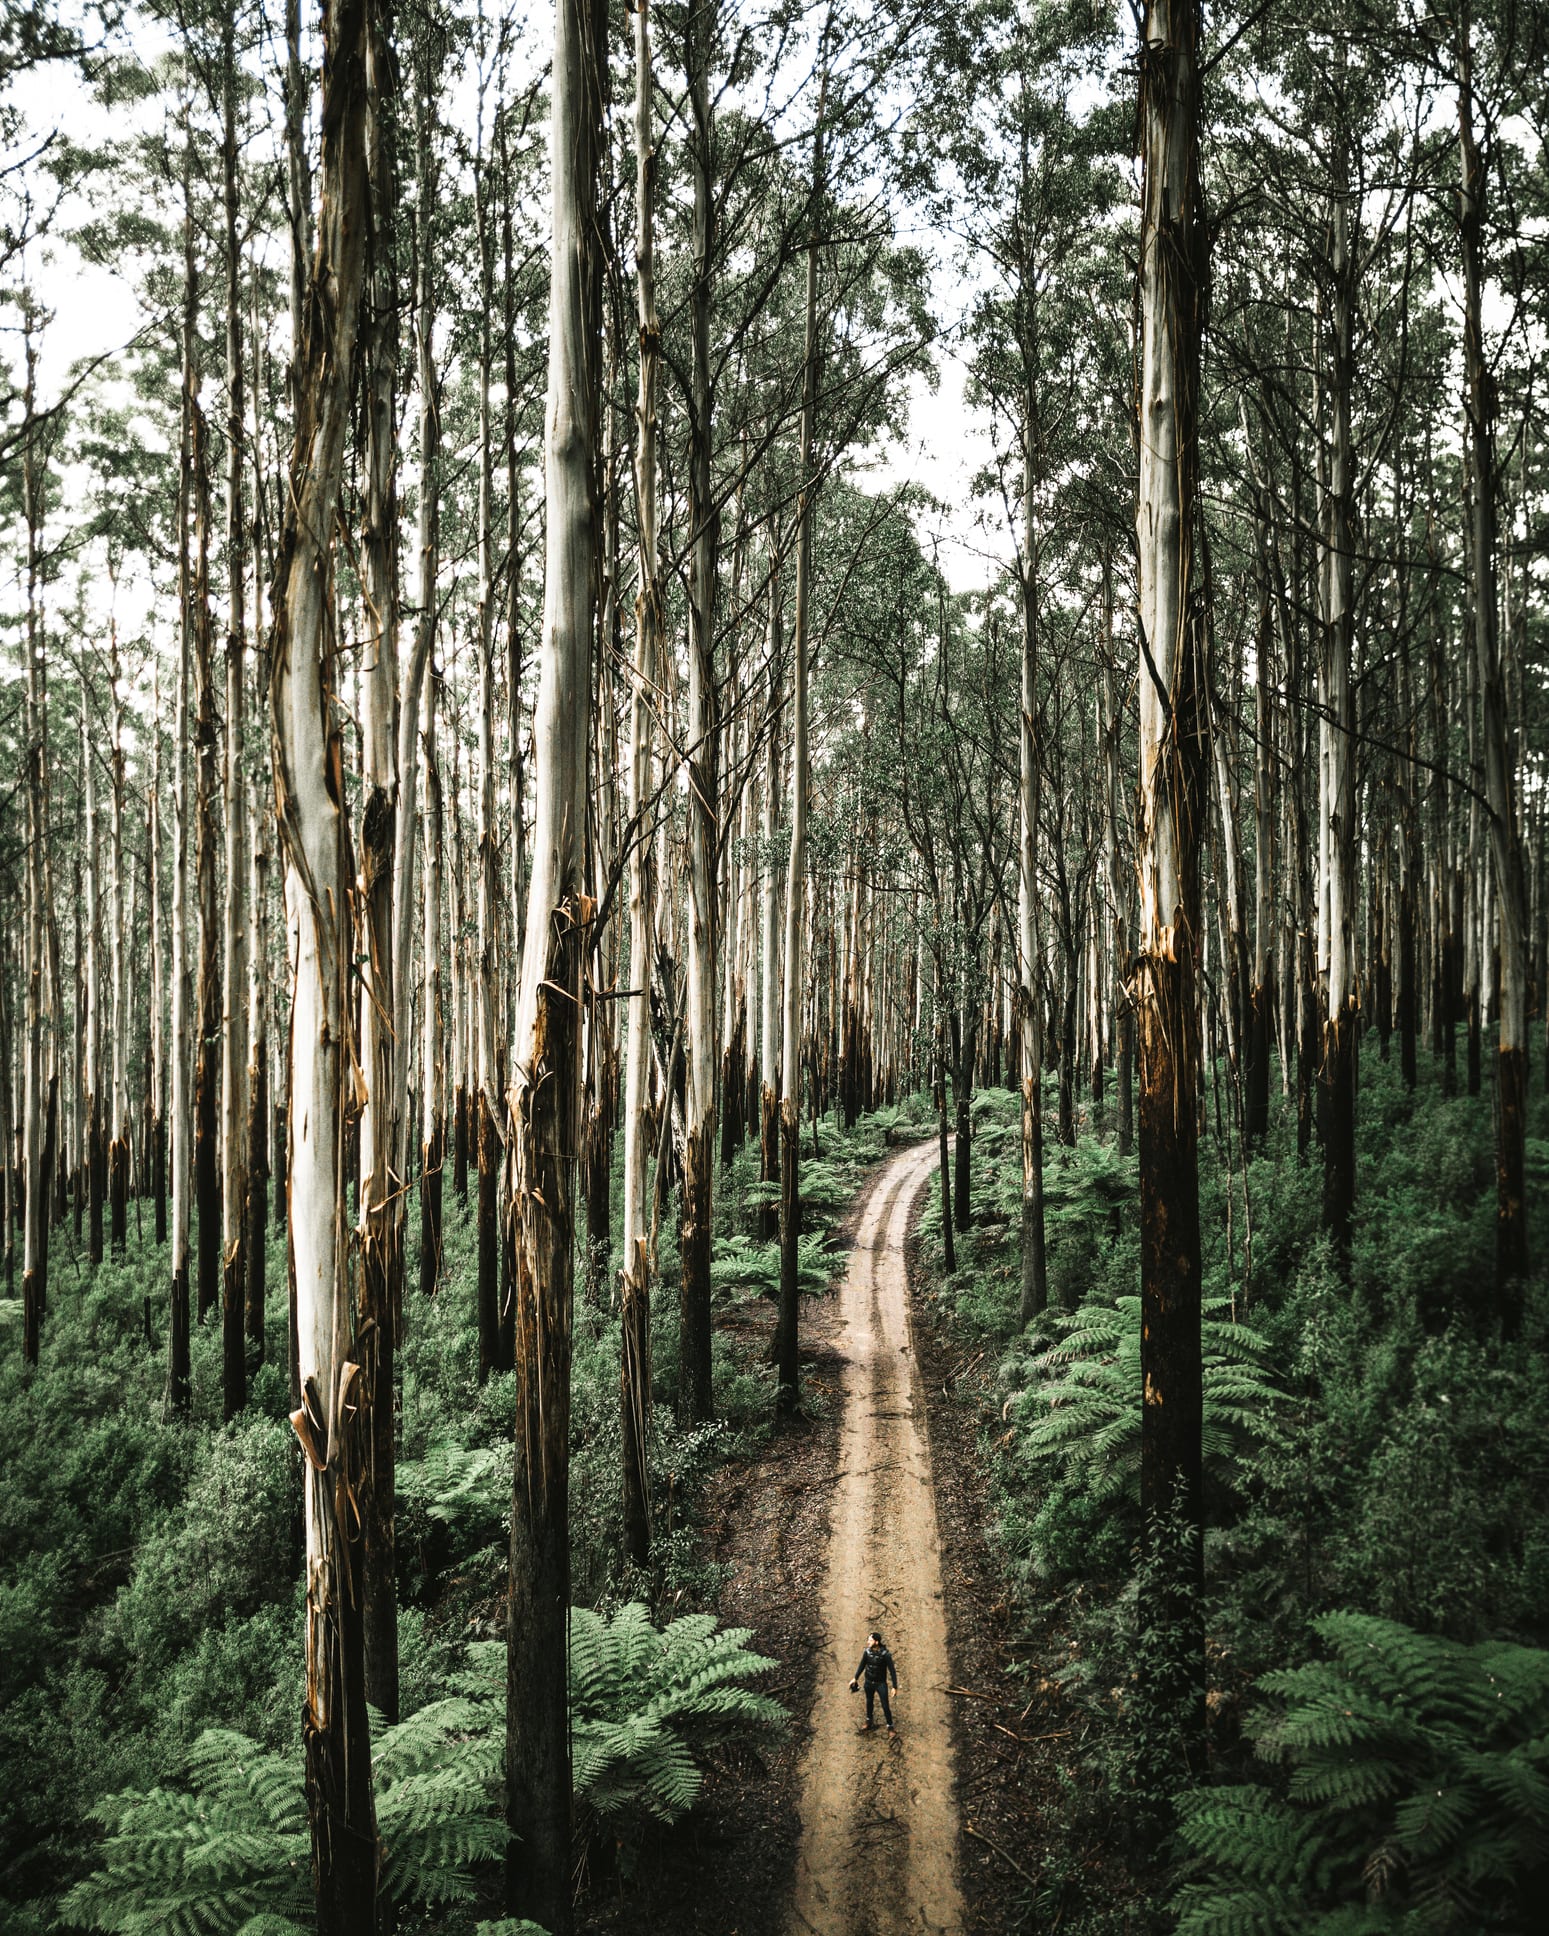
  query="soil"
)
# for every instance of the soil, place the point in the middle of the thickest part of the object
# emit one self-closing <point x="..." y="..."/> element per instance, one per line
<point x="869" y="1509"/>
<point x="1008" y="1724"/>
<point x="726" y="1869"/>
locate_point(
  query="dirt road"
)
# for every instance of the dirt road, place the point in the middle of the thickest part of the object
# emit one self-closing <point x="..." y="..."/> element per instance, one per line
<point x="879" y="1818"/>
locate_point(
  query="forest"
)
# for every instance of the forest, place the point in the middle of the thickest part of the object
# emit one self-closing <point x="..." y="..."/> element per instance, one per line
<point x="774" y="887"/>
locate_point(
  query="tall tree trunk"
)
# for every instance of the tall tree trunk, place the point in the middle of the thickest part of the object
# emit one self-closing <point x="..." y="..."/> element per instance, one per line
<point x="382" y="1023"/>
<point x="333" y="1421"/>
<point x="234" y="981"/>
<point x="1171" y="800"/>
<point x="1511" y="1242"/>
<point x="787" y="1330"/>
<point x="421" y="672"/>
<point x="545" y="1107"/>
<point x="695" y="1399"/>
<point x="635" y="1276"/>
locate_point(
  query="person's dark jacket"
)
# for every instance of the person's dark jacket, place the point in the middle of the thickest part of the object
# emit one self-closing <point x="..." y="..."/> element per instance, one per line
<point x="876" y="1668"/>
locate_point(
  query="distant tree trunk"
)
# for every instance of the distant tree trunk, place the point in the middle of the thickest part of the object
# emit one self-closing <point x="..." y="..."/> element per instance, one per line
<point x="432" y="1025"/>
<point x="234" y="981"/>
<point x="635" y="1276"/>
<point x="119" y="945"/>
<point x="156" y="1079"/>
<point x="1256" y="1085"/>
<point x="333" y="1421"/>
<point x="787" y="1330"/>
<point x="1120" y="879"/>
<point x="92" y="1169"/>
<point x="1511" y="1240"/>
<point x="207" y="1023"/>
<point x="257" y="1081"/>
<point x="179" y="1372"/>
<point x="39" y="1022"/>
<point x="1035" y="1280"/>
<point x="1336" y="834"/>
<point x="494" y="1334"/>
<point x="695" y="1399"/>
<point x="433" y="1029"/>
<point x="1171" y="799"/>
<point x="948" y="1246"/>
<point x="769" y="934"/>
<point x="545" y="1101"/>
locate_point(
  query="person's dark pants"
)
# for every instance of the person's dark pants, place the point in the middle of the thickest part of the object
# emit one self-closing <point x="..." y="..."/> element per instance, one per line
<point x="871" y="1696"/>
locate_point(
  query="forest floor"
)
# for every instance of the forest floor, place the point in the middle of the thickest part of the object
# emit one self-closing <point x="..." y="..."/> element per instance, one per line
<point x="830" y="1529"/>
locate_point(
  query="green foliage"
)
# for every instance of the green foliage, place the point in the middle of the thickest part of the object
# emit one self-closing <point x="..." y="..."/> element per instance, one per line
<point x="234" y="1845"/>
<point x="1417" y="1799"/>
<point x="1078" y="1400"/>
<point x="639" y="1696"/>
<point x="745" y="1269"/>
<point x="205" y="1862"/>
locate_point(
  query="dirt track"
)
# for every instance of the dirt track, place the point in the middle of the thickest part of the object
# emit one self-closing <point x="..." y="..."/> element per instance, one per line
<point x="878" y="1853"/>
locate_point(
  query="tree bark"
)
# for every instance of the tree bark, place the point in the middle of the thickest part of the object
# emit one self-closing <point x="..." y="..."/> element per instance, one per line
<point x="380" y="1223"/>
<point x="1337" y="906"/>
<point x="545" y="1101"/>
<point x="788" y="1325"/>
<point x="333" y="1421"/>
<point x="1171" y="799"/>
<point x="695" y="1399"/>
<point x="234" y="980"/>
<point x="634" y="1278"/>
<point x="1511" y="1240"/>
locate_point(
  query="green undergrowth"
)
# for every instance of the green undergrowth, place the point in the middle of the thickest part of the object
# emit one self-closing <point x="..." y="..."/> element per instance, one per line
<point x="1373" y="1455"/>
<point x="150" y="1567"/>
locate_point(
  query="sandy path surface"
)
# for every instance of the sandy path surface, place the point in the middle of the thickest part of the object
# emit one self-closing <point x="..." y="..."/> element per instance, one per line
<point x="879" y="1819"/>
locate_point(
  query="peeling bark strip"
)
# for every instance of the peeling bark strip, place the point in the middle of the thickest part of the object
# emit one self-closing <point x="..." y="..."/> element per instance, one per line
<point x="333" y="1419"/>
<point x="1171" y="800"/>
<point x="545" y="1094"/>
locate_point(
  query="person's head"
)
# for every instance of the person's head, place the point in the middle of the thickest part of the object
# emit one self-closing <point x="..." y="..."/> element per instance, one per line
<point x="873" y="1640"/>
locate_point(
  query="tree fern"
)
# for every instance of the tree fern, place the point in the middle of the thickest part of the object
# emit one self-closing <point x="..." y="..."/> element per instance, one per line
<point x="744" y="1269"/>
<point x="1077" y="1402"/>
<point x="230" y="1855"/>
<point x="1417" y="1798"/>
<point x="639" y="1697"/>
<point x="209" y="1862"/>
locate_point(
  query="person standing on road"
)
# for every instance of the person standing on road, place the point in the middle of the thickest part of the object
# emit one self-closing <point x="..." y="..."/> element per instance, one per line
<point x="876" y="1669"/>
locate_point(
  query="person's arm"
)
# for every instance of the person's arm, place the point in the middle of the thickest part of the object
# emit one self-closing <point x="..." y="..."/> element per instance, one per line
<point x="893" y="1670"/>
